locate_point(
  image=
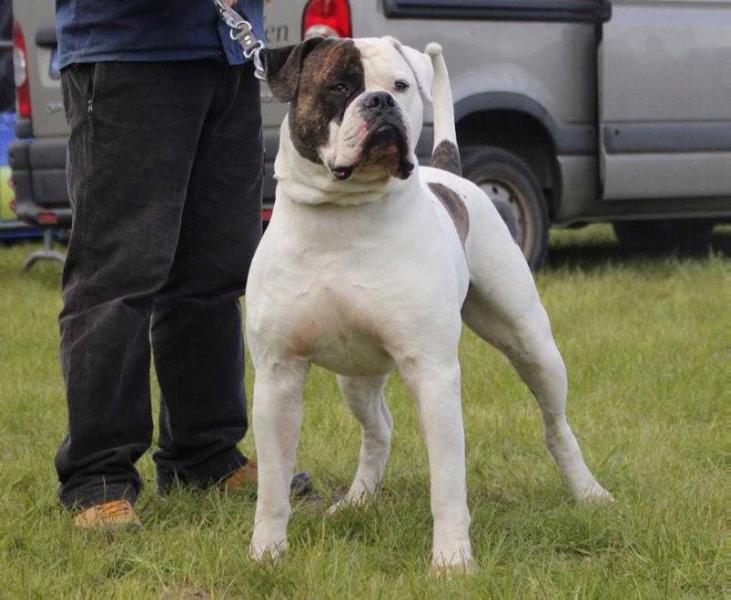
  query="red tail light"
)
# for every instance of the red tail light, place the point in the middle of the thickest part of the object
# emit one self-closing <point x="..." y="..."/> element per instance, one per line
<point x="20" y="64"/>
<point x="327" y="18"/>
<point x="47" y="218"/>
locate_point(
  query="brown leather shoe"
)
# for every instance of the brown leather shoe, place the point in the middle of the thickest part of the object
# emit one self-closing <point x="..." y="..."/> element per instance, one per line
<point x="245" y="476"/>
<point x="114" y="514"/>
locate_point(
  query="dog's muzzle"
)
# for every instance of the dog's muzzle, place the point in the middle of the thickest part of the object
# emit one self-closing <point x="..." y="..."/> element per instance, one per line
<point x="386" y="145"/>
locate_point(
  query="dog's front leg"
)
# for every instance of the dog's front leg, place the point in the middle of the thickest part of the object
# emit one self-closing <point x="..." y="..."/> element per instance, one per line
<point x="365" y="398"/>
<point x="277" y="416"/>
<point x="436" y="388"/>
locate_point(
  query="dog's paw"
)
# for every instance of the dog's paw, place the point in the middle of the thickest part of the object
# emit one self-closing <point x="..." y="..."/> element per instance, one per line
<point x="595" y="494"/>
<point x="261" y="551"/>
<point x="337" y="507"/>
<point x="361" y="499"/>
<point x="454" y="568"/>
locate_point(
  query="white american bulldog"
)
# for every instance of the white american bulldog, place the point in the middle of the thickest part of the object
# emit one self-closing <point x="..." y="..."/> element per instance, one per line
<point x="369" y="265"/>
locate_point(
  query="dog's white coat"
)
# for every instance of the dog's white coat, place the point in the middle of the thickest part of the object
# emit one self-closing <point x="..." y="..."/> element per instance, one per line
<point x="368" y="276"/>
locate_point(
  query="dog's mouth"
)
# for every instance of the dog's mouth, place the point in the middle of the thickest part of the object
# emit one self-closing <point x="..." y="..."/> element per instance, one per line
<point x="386" y="148"/>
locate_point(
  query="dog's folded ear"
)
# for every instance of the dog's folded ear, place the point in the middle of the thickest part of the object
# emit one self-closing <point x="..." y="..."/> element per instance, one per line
<point x="284" y="65"/>
<point x="420" y="64"/>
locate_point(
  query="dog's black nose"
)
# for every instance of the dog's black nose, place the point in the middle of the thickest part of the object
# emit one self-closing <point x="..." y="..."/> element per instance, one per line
<point x="379" y="102"/>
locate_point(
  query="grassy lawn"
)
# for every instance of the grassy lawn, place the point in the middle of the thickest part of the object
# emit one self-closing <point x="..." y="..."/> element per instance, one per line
<point x="646" y="341"/>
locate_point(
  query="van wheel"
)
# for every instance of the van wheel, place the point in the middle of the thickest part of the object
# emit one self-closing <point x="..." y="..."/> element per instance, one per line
<point x="517" y="195"/>
<point x="688" y="237"/>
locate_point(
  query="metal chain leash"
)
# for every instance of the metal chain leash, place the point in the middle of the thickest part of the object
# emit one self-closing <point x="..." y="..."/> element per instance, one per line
<point x="243" y="32"/>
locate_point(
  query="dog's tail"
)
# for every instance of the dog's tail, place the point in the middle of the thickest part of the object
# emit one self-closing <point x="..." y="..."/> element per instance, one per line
<point x="445" y="154"/>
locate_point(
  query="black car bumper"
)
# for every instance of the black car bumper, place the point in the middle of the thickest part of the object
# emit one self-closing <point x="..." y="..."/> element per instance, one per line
<point x="39" y="177"/>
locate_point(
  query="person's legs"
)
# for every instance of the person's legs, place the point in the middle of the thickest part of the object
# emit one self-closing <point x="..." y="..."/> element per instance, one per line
<point x="196" y="324"/>
<point x="135" y="128"/>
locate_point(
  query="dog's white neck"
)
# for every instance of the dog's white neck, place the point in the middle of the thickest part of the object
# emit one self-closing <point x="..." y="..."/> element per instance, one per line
<point x="310" y="183"/>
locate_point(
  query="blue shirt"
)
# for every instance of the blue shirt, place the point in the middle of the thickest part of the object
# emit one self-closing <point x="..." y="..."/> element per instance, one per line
<point x="149" y="30"/>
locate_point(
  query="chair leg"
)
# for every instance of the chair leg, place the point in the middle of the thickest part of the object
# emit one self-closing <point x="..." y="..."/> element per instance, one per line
<point x="46" y="253"/>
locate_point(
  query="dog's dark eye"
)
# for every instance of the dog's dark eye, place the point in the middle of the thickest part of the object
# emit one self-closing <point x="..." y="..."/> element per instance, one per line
<point x="401" y="85"/>
<point x="340" y="88"/>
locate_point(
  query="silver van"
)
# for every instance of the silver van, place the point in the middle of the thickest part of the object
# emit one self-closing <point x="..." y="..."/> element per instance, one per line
<point x="568" y="112"/>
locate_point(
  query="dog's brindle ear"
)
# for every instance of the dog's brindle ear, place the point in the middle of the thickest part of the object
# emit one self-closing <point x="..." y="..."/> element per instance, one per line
<point x="284" y="65"/>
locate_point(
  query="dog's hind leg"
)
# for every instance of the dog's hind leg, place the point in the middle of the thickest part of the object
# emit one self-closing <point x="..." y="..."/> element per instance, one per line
<point x="525" y="337"/>
<point x="503" y="308"/>
<point x="366" y="399"/>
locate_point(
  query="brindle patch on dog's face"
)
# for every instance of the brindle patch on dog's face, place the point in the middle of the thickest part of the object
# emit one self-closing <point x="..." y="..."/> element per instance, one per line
<point x="331" y="78"/>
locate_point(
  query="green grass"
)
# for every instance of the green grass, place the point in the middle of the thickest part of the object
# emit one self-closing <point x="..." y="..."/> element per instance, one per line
<point x="7" y="195"/>
<point x="646" y="341"/>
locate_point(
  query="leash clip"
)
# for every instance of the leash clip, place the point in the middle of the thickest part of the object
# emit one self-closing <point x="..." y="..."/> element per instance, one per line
<point x="260" y="71"/>
<point x="242" y="32"/>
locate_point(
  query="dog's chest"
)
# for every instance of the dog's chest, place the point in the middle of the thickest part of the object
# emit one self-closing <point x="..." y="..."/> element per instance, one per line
<point x="336" y="324"/>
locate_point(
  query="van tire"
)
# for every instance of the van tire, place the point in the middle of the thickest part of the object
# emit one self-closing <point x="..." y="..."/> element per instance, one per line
<point x="517" y="195"/>
<point x="686" y="237"/>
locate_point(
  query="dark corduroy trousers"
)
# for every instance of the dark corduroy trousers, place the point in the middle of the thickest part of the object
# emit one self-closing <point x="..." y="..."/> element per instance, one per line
<point x="164" y="173"/>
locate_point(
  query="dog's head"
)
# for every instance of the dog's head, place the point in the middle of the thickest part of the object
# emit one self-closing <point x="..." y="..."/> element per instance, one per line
<point x="356" y="106"/>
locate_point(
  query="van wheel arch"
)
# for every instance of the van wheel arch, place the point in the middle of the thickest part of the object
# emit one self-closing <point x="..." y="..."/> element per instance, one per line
<point x="516" y="194"/>
<point x="522" y="135"/>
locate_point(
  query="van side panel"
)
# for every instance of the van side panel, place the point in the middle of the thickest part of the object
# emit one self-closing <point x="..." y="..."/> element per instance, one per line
<point x="666" y="100"/>
<point x="543" y="69"/>
<point x="553" y="64"/>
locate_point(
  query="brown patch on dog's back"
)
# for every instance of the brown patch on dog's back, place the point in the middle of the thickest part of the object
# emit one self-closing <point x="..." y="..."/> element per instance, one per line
<point x="456" y="208"/>
<point x="446" y="157"/>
